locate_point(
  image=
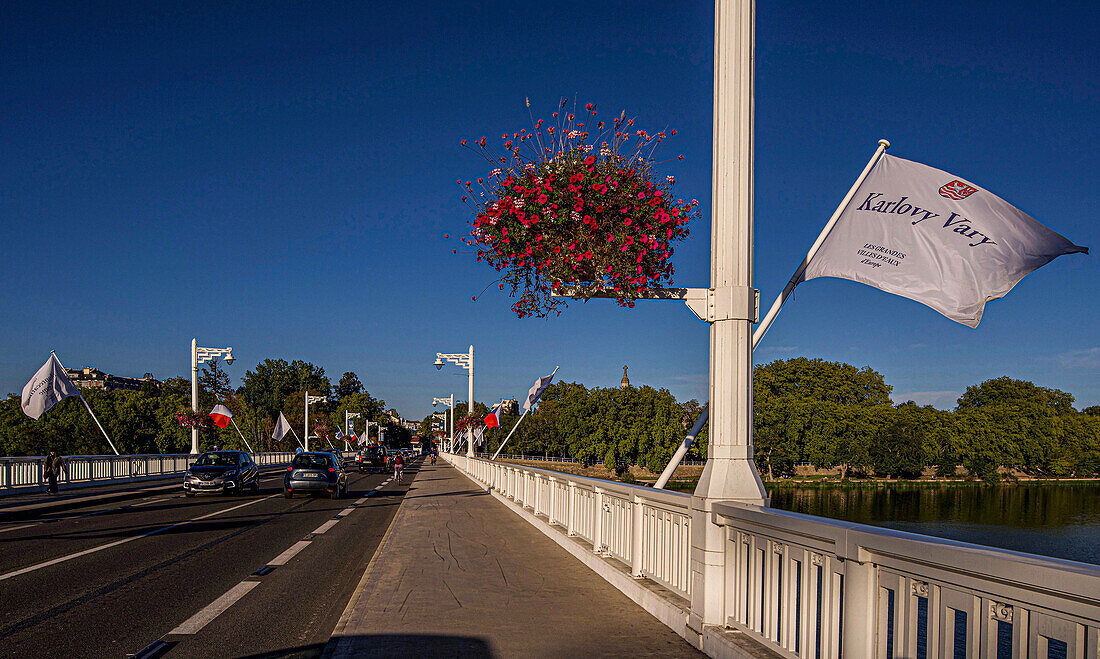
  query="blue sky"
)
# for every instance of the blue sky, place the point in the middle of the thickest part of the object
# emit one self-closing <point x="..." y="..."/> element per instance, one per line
<point x="280" y="179"/>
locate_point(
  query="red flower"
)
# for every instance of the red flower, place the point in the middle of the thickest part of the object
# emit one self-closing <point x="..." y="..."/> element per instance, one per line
<point x="590" y="160"/>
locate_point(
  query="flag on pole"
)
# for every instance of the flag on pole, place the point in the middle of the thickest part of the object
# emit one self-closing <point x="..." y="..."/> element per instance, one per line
<point x="493" y="420"/>
<point x="930" y="236"/>
<point x="339" y="434"/>
<point x="537" y="389"/>
<point x="479" y="436"/>
<point x="48" y="387"/>
<point x="281" y="428"/>
<point x="221" y="416"/>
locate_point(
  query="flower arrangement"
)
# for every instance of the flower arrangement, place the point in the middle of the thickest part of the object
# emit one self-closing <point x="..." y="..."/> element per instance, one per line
<point x="575" y="207"/>
<point x="189" y="418"/>
<point x="469" y="422"/>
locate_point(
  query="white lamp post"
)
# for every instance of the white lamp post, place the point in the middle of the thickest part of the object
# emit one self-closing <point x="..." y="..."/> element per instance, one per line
<point x="450" y="402"/>
<point x="311" y="399"/>
<point x="198" y="356"/>
<point x="348" y="416"/>
<point x="466" y="361"/>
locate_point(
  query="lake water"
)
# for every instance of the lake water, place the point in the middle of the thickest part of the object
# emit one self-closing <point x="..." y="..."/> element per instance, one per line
<point x="1060" y="520"/>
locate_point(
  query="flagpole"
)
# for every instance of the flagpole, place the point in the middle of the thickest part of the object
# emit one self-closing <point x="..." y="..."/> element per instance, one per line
<point x="510" y="433"/>
<point x="796" y="279"/>
<point x="680" y="452"/>
<point x="53" y="353"/>
<point x="241" y="434"/>
<point x="297" y="437"/>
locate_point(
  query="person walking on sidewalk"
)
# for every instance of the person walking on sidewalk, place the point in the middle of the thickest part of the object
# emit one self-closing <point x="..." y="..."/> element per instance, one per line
<point x="54" y="463"/>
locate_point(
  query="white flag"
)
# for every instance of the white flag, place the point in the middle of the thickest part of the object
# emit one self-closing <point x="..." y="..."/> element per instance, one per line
<point x="921" y="233"/>
<point x="536" y="390"/>
<point x="281" y="428"/>
<point x="48" y="386"/>
<point x="479" y="436"/>
<point x="339" y="434"/>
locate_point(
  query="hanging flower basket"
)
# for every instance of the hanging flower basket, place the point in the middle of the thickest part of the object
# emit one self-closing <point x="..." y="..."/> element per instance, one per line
<point x="577" y="208"/>
<point x="468" y="423"/>
<point x="189" y="418"/>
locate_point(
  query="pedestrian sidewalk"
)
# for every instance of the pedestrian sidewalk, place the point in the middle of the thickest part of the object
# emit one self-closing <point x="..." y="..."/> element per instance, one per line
<point x="461" y="575"/>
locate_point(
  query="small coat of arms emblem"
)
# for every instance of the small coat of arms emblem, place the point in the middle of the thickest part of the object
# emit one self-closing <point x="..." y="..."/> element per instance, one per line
<point x="957" y="190"/>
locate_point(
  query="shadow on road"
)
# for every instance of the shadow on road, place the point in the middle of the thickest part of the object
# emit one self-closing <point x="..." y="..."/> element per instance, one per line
<point x="387" y="645"/>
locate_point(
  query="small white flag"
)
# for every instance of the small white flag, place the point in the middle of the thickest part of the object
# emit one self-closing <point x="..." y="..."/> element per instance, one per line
<point x="922" y="233"/>
<point x="339" y="434"/>
<point x="281" y="428"/>
<point x="536" y="390"/>
<point x="479" y="436"/>
<point x="48" y="386"/>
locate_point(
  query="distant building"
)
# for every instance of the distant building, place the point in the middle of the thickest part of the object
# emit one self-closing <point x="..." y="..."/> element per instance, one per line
<point x="509" y="406"/>
<point x="625" y="382"/>
<point x="93" y="378"/>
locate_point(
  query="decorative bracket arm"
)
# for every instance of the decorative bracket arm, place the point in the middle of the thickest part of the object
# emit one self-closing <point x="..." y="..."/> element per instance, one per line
<point x="708" y="304"/>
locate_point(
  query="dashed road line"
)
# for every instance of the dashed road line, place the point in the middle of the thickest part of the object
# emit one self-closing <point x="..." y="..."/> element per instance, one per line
<point x="284" y="557"/>
<point x="196" y="622"/>
<point x="325" y="527"/>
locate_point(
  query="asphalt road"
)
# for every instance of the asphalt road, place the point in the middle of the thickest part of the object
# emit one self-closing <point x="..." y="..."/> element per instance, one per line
<point x="109" y="579"/>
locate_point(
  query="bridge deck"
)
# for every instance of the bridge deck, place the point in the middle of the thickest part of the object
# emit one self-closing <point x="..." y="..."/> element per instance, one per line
<point x="459" y="574"/>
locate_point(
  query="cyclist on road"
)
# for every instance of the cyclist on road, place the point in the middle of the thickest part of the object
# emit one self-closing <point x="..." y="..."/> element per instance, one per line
<point x="398" y="467"/>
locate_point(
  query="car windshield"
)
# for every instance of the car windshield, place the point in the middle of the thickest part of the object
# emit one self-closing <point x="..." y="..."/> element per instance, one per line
<point x="216" y="460"/>
<point x="306" y="461"/>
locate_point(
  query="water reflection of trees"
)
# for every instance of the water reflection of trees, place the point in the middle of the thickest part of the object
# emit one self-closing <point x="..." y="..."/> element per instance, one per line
<point x="1034" y="506"/>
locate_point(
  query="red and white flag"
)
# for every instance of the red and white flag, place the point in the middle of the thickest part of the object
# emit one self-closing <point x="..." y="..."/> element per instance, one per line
<point x="221" y="416"/>
<point x="493" y="420"/>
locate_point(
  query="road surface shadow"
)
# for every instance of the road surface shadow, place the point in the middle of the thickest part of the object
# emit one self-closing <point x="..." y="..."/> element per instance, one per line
<point x="386" y="645"/>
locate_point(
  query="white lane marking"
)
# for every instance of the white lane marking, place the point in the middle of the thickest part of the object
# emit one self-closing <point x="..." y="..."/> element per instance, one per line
<point x="215" y="608"/>
<point x="116" y="543"/>
<point x="326" y="526"/>
<point x="96" y="512"/>
<point x="16" y="528"/>
<point x="361" y="501"/>
<point x="285" y="557"/>
<point x="345" y="512"/>
<point x="146" y="503"/>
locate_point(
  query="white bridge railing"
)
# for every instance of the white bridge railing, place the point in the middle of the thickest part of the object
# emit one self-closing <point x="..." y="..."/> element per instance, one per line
<point x="804" y="586"/>
<point x="24" y="473"/>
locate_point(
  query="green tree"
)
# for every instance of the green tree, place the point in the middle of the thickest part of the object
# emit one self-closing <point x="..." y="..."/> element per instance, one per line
<point x="349" y="384"/>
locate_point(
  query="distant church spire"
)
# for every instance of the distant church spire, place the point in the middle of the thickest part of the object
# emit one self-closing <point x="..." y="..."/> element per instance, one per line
<point x="625" y="382"/>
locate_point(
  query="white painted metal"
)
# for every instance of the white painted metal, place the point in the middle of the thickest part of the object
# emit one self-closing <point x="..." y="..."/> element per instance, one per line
<point x="310" y="399"/>
<point x="200" y="355"/>
<point x="466" y="361"/>
<point x="23" y="473"/>
<point x="804" y="586"/>
<point x="450" y="402"/>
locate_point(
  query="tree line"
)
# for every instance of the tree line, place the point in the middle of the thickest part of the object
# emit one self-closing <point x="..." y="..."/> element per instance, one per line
<point x="830" y="415"/>
<point x="144" y="421"/>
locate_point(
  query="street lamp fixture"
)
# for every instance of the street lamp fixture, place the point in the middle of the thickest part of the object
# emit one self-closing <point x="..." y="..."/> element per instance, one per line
<point x="309" y="400"/>
<point x="466" y="361"/>
<point x="201" y="355"/>
<point x="348" y="416"/>
<point x="450" y="402"/>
